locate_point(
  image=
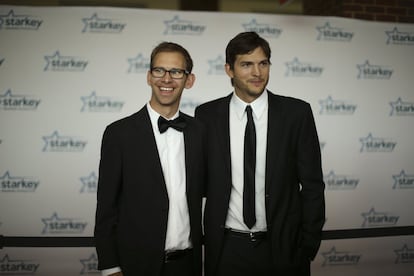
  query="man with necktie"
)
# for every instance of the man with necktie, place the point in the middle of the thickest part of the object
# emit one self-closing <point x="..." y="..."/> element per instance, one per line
<point x="265" y="205"/>
<point x="151" y="173"/>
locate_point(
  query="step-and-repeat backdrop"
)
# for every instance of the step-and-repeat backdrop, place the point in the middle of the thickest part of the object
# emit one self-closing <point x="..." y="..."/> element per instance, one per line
<point x="67" y="72"/>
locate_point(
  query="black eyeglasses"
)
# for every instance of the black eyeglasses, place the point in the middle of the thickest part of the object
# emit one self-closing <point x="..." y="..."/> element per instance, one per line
<point x="175" y="73"/>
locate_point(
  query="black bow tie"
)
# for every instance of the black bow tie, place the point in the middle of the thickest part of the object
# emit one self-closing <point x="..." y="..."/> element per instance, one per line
<point x="178" y="124"/>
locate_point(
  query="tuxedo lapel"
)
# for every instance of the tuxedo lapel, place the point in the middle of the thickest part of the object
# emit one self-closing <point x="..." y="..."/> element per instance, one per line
<point x="274" y="151"/>
<point x="190" y="136"/>
<point x="223" y="130"/>
<point x="146" y="146"/>
<point x="273" y="139"/>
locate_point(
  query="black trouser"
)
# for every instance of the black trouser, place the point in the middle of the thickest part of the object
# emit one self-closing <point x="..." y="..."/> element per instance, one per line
<point x="244" y="256"/>
<point x="181" y="264"/>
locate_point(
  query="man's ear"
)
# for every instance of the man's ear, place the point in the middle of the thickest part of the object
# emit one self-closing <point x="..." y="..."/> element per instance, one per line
<point x="189" y="82"/>
<point x="149" y="78"/>
<point x="228" y="70"/>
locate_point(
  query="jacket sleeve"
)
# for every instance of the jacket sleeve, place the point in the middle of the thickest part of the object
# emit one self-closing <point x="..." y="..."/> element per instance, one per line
<point x="311" y="179"/>
<point x="109" y="185"/>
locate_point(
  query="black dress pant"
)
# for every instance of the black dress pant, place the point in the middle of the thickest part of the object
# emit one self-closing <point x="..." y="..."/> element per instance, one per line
<point x="242" y="256"/>
<point x="179" y="266"/>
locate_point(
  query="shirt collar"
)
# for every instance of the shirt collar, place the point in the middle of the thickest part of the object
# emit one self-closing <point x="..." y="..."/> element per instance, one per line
<point x="258" y="105"/>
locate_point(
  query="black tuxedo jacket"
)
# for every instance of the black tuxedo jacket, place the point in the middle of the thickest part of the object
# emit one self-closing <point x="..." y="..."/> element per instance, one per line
<point x="294" y="187"/>
<point x="132" y="206"/>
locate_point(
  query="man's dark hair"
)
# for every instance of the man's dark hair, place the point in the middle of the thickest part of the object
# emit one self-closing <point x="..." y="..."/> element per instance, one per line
<point x="244" y="43"/>
<point x="172" y="47"/>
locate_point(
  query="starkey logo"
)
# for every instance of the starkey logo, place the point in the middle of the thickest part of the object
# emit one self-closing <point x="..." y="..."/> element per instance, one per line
<point x="11" y="21"/>
<point x="373" y="218"/>
<point x="335" y="258"/>
<point x="8" y="101"/>
<point x="340" y="182"/>
<point x="403" y="181"/>
<point x="60" y="63"/>
<point x="89" y="183"/>
<point x="329" y="33"/>
<point x="94" y="103"/>
<point x="11" y="183"/>
<point x="401" y="108"/>
<point x="376" y="144"/>
<point x="90" y="265"/>
<point x="94" y="24"/>
<point x="369" y="71"/>
<point x="9" y="266"/>
<point x="405" y="255"/>
<point x="263" y="29"/>
<point x="177" y="26"/>
<point x="58" y="143"/>
<point x="216" y="66"/>
<point x="329" y="106"/>
<point x="58" y="225"/>
<point x="296" y="68"/>
<point x="138" y="64"/>
<point x="400" y="38"/>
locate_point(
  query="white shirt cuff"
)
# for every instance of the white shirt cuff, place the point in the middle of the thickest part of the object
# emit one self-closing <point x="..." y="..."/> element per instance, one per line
<point x="110" y="271"/>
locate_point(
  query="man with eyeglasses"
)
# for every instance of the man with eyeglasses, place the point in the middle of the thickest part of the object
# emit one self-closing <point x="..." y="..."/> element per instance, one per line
<point x="151" y="173"/>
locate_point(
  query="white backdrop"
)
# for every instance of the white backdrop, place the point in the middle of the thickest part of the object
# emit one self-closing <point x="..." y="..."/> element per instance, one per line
<point x="67" y="72"/>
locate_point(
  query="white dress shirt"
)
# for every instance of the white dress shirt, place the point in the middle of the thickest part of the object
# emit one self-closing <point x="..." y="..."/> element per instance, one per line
<point x="238" y="120"/>
<point x="171" y="151"/>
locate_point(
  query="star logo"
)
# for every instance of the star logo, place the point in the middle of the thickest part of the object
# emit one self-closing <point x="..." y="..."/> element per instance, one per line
<point x="374" y="219"/>
<point x="176" y="26"/>
<point x="404" y="255"/>
<point x="100" y="25"/>
<point x="397" y="37"/>
<point x="138" y="64"/>
<point x="333" y="257"/>
<point x="89" y="183"/>
<point x="56" y="225"/>
<point x="327" y="32"/>
<point x="296" y="68"/>
<point x="93" y="103"/>
<point x="331" y="107"/>
<point x="368" y="71"/>
<point x="372" y="144"/>
<point x="403" y="181"/>
<point x="93" y="20"/>
<point x="89" y="265"/>
<point x="57" y="143"/>
<point x="23" y="22"/>
<point x="216" y="66"/>
<point x="262" y="29"/>
<point x="18" y="102"/>
<point x="17" y="184"/>
<point x="57" y="62"/>
<point x="17" y="267"/>
<point x="340" y="182"/>
<point x="400" y="108"/>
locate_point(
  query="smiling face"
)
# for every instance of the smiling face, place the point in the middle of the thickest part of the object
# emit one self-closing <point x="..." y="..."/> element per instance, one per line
<point x="250" y="74"/>
<point x="166" y="91"/>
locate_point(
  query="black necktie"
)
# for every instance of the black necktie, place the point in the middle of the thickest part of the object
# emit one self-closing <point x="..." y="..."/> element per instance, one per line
<point x="178" y="124"/>
<point x="249" y="212"/>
